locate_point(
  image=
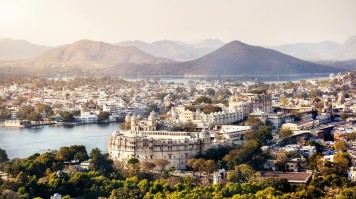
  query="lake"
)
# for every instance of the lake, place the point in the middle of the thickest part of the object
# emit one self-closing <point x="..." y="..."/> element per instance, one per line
<point x="268" y="79"/>
<point x="23" y="142"/>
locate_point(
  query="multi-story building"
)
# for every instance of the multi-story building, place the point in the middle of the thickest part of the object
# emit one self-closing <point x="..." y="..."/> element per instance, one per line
<point x="240" y="106"/>
<point x="146" y="143"/>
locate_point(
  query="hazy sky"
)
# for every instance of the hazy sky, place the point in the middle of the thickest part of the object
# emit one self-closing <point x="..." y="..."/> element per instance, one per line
<point x="258" y="22"/>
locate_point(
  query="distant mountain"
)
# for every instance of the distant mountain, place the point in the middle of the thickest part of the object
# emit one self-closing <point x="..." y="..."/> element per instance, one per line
<point x="209" y="44"/>
<point x="19" y="49"/>
<point x="94" y="54"/>
<point x="84" y="57"/>
<point x="308" y="51"/>
<point x="346" y="51"/>
<point x="178" y="51"/>
<point x="237" y="58"/>
<point x="97" y="58"/>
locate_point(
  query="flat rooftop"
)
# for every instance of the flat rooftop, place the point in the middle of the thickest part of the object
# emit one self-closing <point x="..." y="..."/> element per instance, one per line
<point x="292" y="177"/>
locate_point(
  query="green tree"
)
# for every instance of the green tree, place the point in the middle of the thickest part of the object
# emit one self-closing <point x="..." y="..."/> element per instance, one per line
<point x="3" y="156"/>
<point x="351" y="136"/>
<point x="202" y="99"/>
<point x="35" y="116"/>
<point x="67" y="117"/>
<point x="210" y="166"/>
<point x="285" y="132"/>
<point x="26" y="111"/>
<point x="100" y="162"/>
<point x="284" y="101"/>
<point x="103" y="116"/>
<point x="340" y="146"/>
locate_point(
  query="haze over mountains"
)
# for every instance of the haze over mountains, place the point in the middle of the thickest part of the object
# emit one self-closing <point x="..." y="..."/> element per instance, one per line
<point x="19" y="49"/>
<point x="94" y="54"/>
<point x="175" y="50"/>
<point x="237" y="58"/>
<point x="137" y="57"/>
<point x="326" y="50"/>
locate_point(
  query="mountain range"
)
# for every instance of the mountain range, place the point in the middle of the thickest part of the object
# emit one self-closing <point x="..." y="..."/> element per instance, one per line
<point x="237" y="58"/>
<point x="175" y="50"/>
<point x="19" y="49"/>
<point x="326" y="50"/>
<point x="234" y="58"/>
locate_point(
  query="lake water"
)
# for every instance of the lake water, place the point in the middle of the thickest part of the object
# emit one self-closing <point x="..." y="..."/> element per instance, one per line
<point x="268" y="79"/>
<point x="23" y="142"/>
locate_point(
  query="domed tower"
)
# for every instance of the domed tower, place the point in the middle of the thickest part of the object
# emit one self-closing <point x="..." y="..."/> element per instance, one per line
<point x="128" y="118"/>
<point x="152" y="116"/>
<point x="205" y="140"/>
<point x="133" y="121"/>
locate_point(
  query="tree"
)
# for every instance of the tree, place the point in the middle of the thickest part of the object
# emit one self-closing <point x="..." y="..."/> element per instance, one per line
<point x="45" y="108"/>
<point x="3" y="156"/>
<point x="340" y="146"/>
<point x="296" y="115"/>
<point x="210" y="92"/>
<point x="342" y="162"/>
<point x="148" y="165"/>
<point x="253" y="121"/>
<point x="103" y="116"/>
<point x="202" y="99"/>
<point x="241" y="173"/>
<point x="210" y="166"/>
<point x="67" y="117"/>
<point x="80" y="153"/>
<point x="285" y="132"/>
<point x="65" y="154"/>
<point x="315" y="93"/>
<point x="351" y="136"/>
<point x="26" y="111"/>
<point x="198" y="165"/>
<point x="100" y="162"/>
<point x="282" y="160"/>
<point x="162" y="163"/>
<point x="35" y="116"/>
<point x="284" y="101"/>
<point x="264" y="134"/>
<point x="133" y="161"/>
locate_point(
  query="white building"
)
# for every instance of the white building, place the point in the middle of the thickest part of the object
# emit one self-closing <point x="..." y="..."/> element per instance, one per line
<point x="146" y="143"/>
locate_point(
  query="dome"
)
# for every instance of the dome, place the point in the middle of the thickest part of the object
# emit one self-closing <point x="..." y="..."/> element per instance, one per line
<point x="153" y="114"/>
<point x="204" y="134"/>
<point x="198" y="111"/>
<point x="115" y="133"/>
<point x="127" y="117"/>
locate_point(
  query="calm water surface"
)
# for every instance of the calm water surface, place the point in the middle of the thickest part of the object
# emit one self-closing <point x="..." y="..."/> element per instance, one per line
<point x="24" y="142"/>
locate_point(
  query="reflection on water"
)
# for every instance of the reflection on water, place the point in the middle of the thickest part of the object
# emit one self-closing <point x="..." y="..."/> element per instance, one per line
<point x="27" y="141"/>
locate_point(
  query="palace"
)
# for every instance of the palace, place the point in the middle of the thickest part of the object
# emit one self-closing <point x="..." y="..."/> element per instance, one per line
<point x="146" y="143"/>
<point x="240" y="106"/>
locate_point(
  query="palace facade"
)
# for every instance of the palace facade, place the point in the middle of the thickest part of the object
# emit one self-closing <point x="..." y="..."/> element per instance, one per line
<point x="146" y="143"/>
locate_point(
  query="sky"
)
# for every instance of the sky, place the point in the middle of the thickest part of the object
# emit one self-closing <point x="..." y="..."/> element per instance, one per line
<point x="256" y="22"/>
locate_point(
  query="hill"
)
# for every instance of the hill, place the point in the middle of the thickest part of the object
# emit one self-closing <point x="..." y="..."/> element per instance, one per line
<point x="346" y="51"/>
<point x="19" y="49"/>
<point x="308" y="51"/>
<point x="237" y="58"/>
<point x="178" y="51"/>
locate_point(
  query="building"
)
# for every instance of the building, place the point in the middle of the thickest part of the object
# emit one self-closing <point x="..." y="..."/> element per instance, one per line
<point x="180" y="115"/>
<point x="233" y="135"/>
<point x="247" y="103"/>
<point x="294" y="178"/>
<point x="86" y="118"/>
<point x="144" y="142"/>
<point x="240" y="106"/>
